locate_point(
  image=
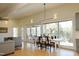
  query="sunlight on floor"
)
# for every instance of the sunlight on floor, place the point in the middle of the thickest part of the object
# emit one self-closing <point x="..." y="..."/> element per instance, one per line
<point x="66" y="44"/>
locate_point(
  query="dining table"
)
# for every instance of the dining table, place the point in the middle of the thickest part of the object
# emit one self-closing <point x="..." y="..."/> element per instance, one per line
<point x="56" y="41"/>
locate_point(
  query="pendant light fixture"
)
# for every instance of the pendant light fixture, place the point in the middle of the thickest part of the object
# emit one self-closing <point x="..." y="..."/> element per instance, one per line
<point x="44" y="14"/>
<point x="44" y="11"/>
<point x="45" y="18"/>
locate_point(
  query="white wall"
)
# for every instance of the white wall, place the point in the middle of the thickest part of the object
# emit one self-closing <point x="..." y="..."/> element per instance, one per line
<point x="10" y="24"/>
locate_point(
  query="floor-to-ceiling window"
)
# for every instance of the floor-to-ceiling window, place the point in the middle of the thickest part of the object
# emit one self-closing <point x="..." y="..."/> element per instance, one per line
<point x="15" y="32"/>
<point x="52" y="29"/>
<point x="62" y="30"/>
<point x="33" y="31"/>
<point x="28" y="32"/>
<point x="44" y="29"/>
<point x="38" y="30"/>
<point x="65" y="33"/>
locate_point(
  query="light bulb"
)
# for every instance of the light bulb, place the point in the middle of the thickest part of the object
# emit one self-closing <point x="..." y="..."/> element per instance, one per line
<point x="55" y="16"/>
<point x="31" y="21"/>
<point x="6" y="22"/>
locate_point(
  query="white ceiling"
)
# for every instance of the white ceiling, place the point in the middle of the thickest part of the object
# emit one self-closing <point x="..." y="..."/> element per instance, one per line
<point x="17" y="10"/>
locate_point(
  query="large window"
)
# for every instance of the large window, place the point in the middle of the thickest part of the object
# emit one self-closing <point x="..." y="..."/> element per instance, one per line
<point x="65" y="32"/>
<point x="38" y="30"/>
<point x="52" y="29"/>
<point x="62" y="30"/>
<point x="15" y="32"/>
<point x="33" y="31"/>
<point x="44" y="29"/>
<point x="28" y="32"/>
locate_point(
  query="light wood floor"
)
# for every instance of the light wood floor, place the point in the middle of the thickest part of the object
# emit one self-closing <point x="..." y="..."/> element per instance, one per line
<point x="31" y="50"/>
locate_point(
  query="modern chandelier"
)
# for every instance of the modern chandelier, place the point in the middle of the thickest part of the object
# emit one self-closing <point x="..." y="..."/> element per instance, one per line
<point x="54" y="16"/>
<point x="45" y="19"/>
<point x="44" y="11"/>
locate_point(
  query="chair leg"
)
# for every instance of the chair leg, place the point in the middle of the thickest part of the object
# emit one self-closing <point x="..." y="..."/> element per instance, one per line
<point x="50" y="48"/>
<point x="41" y="46"/>
<point x="45" y="47"/>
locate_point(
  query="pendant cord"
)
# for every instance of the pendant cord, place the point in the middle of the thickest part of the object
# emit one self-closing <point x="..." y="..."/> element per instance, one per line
<point x="44" y="11"/>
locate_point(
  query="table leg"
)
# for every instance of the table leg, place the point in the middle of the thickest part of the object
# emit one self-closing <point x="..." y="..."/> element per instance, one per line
<point x="59" y="44"/>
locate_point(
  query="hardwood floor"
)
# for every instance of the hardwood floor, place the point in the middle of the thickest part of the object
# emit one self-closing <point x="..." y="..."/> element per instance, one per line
<point x="31" y="50"/>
